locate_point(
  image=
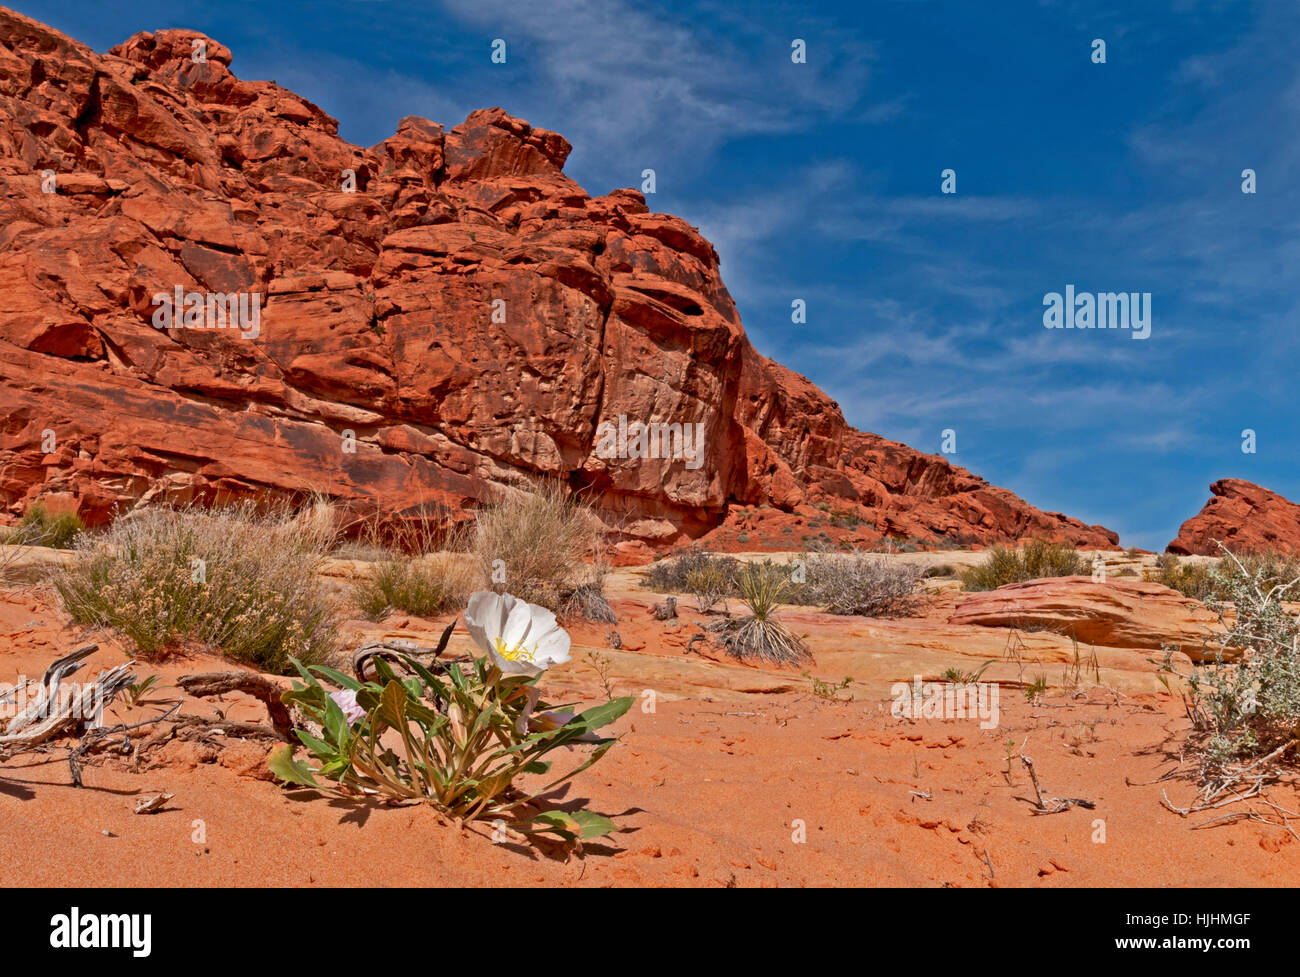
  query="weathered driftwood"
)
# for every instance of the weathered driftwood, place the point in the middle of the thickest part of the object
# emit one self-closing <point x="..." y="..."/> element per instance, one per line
<point x="393" y="652"/>
<point x="250" y="683"/>
<point x="52" y="712"/>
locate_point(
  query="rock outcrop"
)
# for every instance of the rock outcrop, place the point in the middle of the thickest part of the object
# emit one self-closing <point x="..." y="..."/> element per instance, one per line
<point x="1244" y="517"/>
<point x="1113" y="613"/>
<point x="430" y="321"/>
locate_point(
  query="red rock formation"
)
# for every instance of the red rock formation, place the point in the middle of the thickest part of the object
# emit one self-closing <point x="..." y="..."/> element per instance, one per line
<point x="469" y="315"/>
<point x="1115" y="613"/>
<point x="1243" y="517"/>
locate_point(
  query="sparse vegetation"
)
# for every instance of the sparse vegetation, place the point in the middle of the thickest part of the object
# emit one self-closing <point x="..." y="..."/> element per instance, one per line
<point x="550" y="546"/>
<point x="673" y="576"/>
<point x="1037" y="559"/>
<point x="711" y="580"/>
<point x="1244" y="703"/>
<point x="39" y="527"/>
<point x="1195" y="580"/>
<point x="859" y="583"/>
<point x="760" y="634"/>
<point x="958" y="677"/>
<point x="231" y="579"/>
<point x="829" y="691"/>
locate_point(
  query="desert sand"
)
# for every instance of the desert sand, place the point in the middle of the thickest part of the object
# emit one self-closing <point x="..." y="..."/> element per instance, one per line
<point x="735" y="776"/>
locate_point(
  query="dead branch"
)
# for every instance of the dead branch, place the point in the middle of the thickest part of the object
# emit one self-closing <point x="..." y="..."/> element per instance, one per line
<point x="219" y="683"/>
<point x="1047" y="804"/>
<point x="394" y="652"/>
<point x="53" y="713"/>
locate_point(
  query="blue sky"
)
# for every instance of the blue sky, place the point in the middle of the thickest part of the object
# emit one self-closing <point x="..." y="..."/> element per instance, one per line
<point x="821" y="181"/>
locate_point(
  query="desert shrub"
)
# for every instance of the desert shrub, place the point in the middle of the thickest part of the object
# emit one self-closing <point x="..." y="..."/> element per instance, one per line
<point x="1195" y="580"/>
<point x="1244" y="701"/>
<point x="859" y="583"/>
<point x="711" y="581"/>
<point x="673" y="576"/>
<point x="1038" y="558"/>
<point x="228" y="579"/>
<point x="1271" y="567"/>
<point x="425" y="585"/>
<point x="410" y="573"/>
<point x="760" y="634"/>
<point x="941" y="570"/>
<point x="39" y="527"/>
<point x="549" y="542"/>
<point x="460" y="740"/>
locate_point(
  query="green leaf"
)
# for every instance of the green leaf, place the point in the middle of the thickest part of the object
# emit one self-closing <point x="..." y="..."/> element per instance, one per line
<point x="284" y="766"/>
<point x="593" y="825"/>
<point x="337" y="677"/>
<point x="336" y="724"/>
<point x="599" y="716"/>
<point x="322" y="749"/>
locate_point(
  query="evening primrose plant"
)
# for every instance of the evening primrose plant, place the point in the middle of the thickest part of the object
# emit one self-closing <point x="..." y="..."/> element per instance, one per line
<point x="458" y="740"/>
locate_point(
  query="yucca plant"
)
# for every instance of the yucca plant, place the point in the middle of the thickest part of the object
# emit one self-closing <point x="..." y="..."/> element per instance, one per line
<point x="761" y="635"/>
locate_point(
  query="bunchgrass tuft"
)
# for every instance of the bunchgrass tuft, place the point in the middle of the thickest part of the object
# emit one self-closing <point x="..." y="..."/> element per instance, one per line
<point x="1037" y="559"/>
<point x="546" y="544"/>
<point x="39" y="527"/>
<point x="234" y="579"/>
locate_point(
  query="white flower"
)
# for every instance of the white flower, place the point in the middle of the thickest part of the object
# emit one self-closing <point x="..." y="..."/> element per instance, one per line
<point x="520" y="638"/>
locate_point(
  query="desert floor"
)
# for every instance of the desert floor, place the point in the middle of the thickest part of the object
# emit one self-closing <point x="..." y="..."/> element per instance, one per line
<point x="731" y="776"/>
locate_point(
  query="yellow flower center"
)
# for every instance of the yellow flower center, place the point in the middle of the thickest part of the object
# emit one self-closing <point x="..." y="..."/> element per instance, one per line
<point x="517" y="653"/>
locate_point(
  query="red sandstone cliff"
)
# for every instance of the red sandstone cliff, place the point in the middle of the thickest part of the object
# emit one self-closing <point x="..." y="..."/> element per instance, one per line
<point x="379" y="316"/>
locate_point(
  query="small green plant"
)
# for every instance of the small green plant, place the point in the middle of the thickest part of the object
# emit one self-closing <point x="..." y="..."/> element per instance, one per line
<point x="460" y="741"/>
<point x="827" y="690"/>
<point x="136" y="691"/>
<point x="1036" y="560"/>
<point x="1035" y="689"/>
<point x="957" y="677"/>
<point x="1009" y="750"/>
<point x="38" y="527"/>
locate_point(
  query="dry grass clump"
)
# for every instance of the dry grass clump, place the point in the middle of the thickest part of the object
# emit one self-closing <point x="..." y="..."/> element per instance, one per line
<point x="761" y="635"/>
<point x="673" y="575"/>
<point x="711" y="581"/>
<point x="426" y="585"/>
<point x="415" y="567"/>
<point x="233" y="579"/>
<point x="39" y="527"/>
<point x="860" y="583"/>
<point x="547" y="547"/>
<point x="1195" y="580"/>
<point x="1038" y="558"/>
